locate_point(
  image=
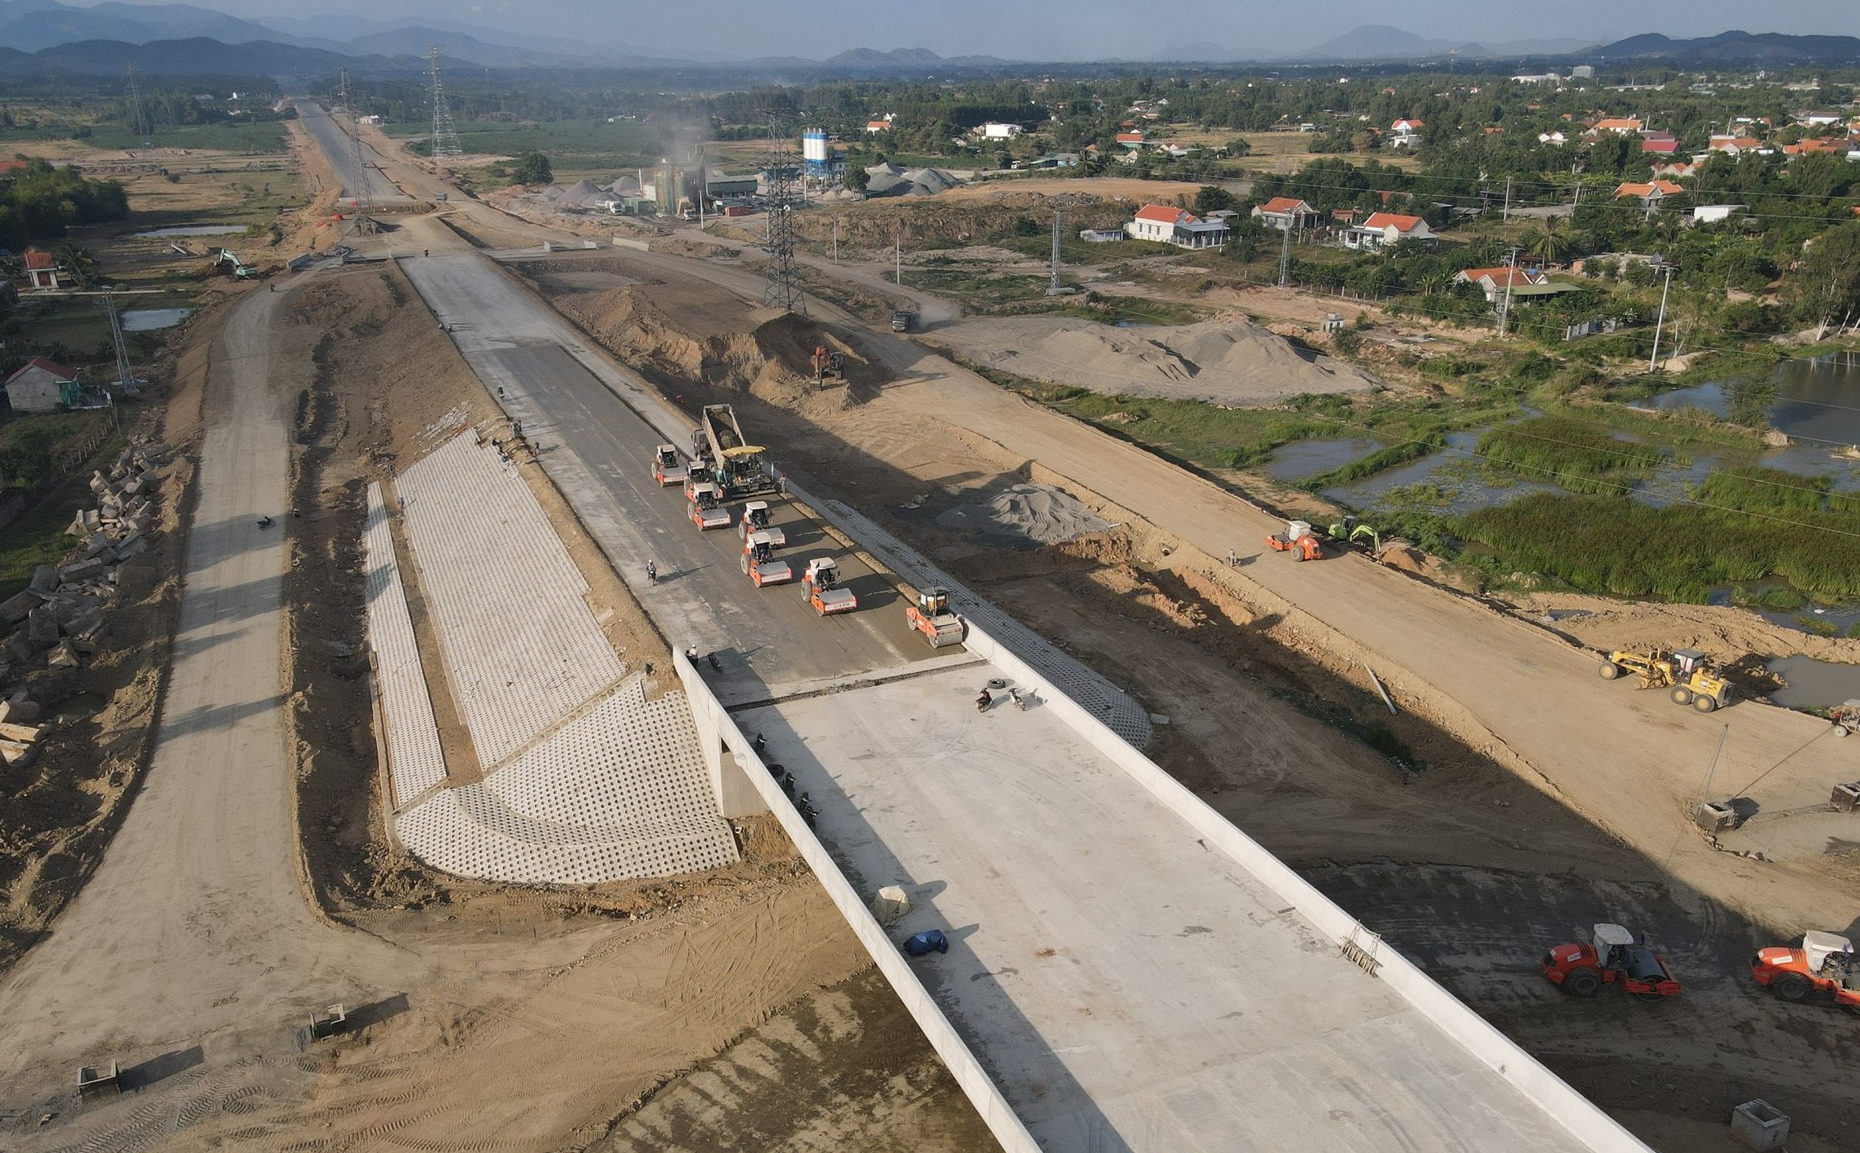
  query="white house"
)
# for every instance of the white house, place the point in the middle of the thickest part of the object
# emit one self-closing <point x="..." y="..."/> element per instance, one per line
<point x="39" y="385"/>
<point x="41" y="268"/>
<point x="994" y="130"/>
<point x="1165" y="224"/>
<point x="1713" y="213"/>
<point x="1404" y="133"/>
<point x="1386" y="228"/>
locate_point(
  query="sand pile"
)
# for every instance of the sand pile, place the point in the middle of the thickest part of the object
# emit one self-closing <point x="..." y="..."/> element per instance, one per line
<point x="1033" y="511"/>
<point x="1233" y="363"/>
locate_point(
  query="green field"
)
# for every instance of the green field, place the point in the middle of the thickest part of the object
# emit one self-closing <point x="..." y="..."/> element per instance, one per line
<point x="266" y="136"/>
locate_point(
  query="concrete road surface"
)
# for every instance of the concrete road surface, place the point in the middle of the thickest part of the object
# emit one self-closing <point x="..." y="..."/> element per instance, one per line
<point x="333" y="139"/>
<point x="598" y="450"/>
<point x="195" y="926"/>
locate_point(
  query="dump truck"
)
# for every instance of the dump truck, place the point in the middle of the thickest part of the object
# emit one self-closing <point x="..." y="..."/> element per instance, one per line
<point x="756" y="517"/>
<point x="1846" y="718"/>
<point x="707" y="511"/>
<point x="1298" y="540"/>
<point x="1612" y="957"/>
<point x="668" y="468"/>
<point x="1686" y="674"/>
<point x="1825" y="965"/>
<point x="903" y="320"/>
<point x="821" y="584"/>
<point x="930" y="615"/>
<point x="735" y="464"/>
<point x="759" y="562"/>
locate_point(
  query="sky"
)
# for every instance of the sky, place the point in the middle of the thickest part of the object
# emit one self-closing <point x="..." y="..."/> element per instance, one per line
<point x="1067" y="29"/>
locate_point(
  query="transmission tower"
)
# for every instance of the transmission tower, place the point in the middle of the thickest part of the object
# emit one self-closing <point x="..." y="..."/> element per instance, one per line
<point x="784" y="287"/>
<point x="125" y="379"/>
<point x="342" y="92"/>
<point x="445" y="136"/>
<point x="136" y="119"/>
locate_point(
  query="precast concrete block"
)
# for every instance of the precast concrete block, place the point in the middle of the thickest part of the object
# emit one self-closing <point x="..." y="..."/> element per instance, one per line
<point x="1760" y="1125"/>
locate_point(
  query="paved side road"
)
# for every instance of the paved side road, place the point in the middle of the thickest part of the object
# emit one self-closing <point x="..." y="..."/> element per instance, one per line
<point x="195" y="927"/>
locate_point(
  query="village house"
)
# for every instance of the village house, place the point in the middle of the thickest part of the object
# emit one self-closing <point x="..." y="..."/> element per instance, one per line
<point x="1285" y="212"/>
<point x="1619" y="125"/>
<point x="1552" y="138"/>
<point x="41" y="269"/>
<point x="1658" y="144"/>
<point x="41" y="385"/>
<point x="1385" y="228"/>
<point x="995" y="130"/>
<point x="1131" y="140"/>
<point x="1493" y="281"/>
<point x="1405" y="133"/>
<point x="1649" y="194"/>
<point x="1165" y="224"/>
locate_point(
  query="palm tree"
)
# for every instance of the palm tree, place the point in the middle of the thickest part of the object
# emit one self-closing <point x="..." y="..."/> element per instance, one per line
<point x="77" y="261"/>
<point x="1551" y="243"/>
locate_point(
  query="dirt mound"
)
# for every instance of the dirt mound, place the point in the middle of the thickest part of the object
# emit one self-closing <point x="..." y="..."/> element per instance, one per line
<point x="1034" y="511"/>
<point x="1226" y="362"/>
<point x="731" y="345"/>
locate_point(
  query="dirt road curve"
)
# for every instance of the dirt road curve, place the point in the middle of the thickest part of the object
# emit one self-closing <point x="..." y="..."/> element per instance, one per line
<point x="195" y="925"/>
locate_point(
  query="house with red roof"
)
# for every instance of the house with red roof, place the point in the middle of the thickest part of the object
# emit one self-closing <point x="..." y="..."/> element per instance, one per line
<point x="41" y="269"/>
<point x="1131" y="139"/>
<point x="1494" y="281"/>
<point x="1651" y="193"/>
<point x="1385" y="228"/>
<point x="1285" y="212"/>
<point x="1659" y="143"/>
<point x="1405" y="133"/>
<point x="41" y="385"/>
<point x="1619" y="125"/>
<point x="1167" y="224"/>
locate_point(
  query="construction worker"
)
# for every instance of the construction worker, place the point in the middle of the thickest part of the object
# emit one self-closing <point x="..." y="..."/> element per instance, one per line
<point x="652" y="572"/>
<point x="1233" y="559"/>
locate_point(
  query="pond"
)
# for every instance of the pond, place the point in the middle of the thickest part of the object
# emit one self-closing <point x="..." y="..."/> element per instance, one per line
<point x="150" y="319"/>
<point x="191" y="230"/>
<point x="1308" y="458"/>
<point x="1816" y="399"/>
<point x="1814" y="684"/>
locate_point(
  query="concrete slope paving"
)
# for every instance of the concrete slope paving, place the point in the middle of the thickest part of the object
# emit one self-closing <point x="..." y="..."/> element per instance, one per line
<point x="195" y="926"/>
<point x="597" y="450"/>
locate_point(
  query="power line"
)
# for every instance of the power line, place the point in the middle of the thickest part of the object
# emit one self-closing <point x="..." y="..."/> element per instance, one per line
<point x="445" y="136"/>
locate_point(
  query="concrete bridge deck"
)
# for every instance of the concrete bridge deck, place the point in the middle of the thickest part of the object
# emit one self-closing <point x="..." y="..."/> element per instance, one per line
<point x="1129" y="971"/>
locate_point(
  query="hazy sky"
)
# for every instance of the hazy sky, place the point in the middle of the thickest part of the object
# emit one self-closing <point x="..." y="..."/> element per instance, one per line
<point x="1072" y="29"/>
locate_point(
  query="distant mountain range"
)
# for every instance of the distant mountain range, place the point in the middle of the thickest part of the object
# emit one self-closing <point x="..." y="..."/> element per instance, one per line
<point x="1736" y="48"/>
<point x="1381" y="42"/>
<point x="180" y="39"/>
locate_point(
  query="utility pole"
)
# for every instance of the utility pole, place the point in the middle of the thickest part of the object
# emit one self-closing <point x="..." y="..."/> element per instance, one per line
<point x="897" y="257"/>
<point x="836" y="240"/>
<point x="1653" y="363"/>
<point x="1504" y="309"/>
<point x="1058" y="219"/>
<point x="1505" y="215"/>
<point x="1285" y="256"/>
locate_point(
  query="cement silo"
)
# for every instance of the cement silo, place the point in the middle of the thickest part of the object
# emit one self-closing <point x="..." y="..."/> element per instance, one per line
<point x="814" y="153"/>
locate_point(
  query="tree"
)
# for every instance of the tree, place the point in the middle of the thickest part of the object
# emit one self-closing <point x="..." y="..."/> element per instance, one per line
<point x="77" y="261"/>
<point x="531" y="168"/>
<point x="857" y="178"/>
<point x="1551" y="243"/>
<point x="1826" y="284"/>
<point x="1213" y="198"/>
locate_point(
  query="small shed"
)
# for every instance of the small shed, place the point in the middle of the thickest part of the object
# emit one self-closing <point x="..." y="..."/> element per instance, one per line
<point x="41" y="268"/>
<point x="40" y="385"/>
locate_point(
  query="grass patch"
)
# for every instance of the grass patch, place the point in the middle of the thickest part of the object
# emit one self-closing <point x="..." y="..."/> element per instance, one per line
<point x="1577" y="456"/>
<point x="258" y="137"/>
<point x="1619" y="547"/>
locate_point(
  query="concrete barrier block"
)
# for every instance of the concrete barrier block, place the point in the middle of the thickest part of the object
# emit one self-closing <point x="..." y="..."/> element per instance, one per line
<point x="44" y="579"/>
<point x="18" y="607"/>
<point x="1760" y="1125"/>
<point x="1715" y="816"/>
<point x="99" y="1081"/>
<point x="1845" y="797"/>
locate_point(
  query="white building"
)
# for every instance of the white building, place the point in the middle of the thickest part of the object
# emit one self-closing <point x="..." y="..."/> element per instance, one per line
<point x="1385" y="228"/>
<point x="1165" y="224"/>
<point x="997" y="131"/>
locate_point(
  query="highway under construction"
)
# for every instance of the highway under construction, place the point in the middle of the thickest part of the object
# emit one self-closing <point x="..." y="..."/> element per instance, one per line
<point x="1115" y="964"/>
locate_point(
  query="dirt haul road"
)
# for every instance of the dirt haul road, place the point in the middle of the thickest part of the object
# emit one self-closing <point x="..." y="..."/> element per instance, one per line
<point x="194" y="925"/>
